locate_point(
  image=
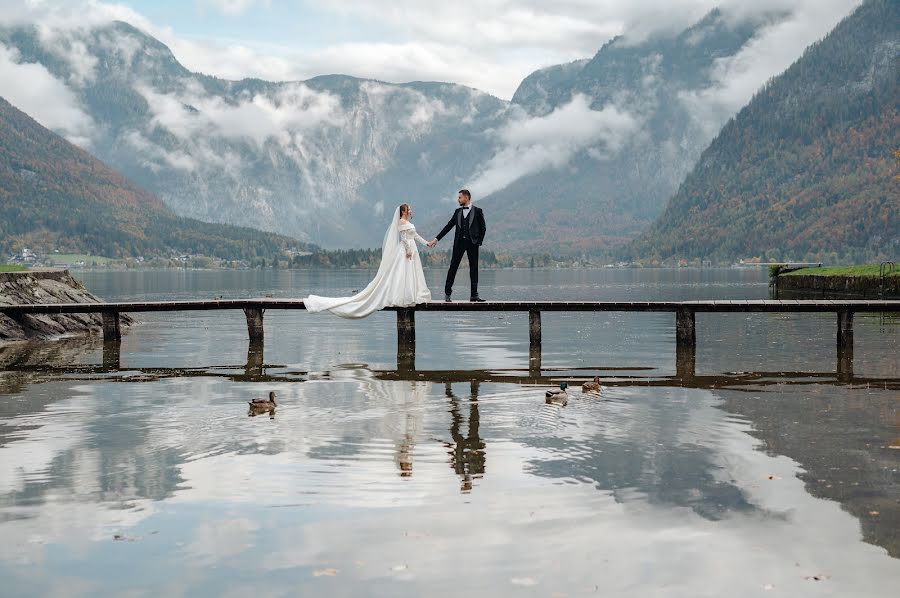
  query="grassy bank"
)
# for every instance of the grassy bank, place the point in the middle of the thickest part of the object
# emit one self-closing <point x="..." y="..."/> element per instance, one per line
<point x="8" y="268"/>
<point x="866" y="271"/>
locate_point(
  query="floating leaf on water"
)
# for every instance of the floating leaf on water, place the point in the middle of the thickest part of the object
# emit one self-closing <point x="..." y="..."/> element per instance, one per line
<point x="774" y="477"/>
<point x="325" y="572"/>
<point x="817" y="577"/>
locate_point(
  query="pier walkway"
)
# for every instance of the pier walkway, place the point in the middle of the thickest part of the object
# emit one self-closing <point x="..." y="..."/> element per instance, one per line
<point x="685" y="318"/>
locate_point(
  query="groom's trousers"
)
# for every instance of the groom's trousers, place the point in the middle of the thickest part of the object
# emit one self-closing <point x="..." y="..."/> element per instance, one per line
<point x="470" y="249"/>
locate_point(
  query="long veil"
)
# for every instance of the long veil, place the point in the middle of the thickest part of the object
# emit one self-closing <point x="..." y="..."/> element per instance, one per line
<point x="367" y="300"/>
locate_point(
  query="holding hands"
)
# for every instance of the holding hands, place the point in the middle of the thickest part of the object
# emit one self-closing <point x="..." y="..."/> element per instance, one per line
<point x="431" y="243"/>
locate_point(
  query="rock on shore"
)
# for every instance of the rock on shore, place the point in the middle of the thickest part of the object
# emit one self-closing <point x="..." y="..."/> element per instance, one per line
<point x="47" y="286"/>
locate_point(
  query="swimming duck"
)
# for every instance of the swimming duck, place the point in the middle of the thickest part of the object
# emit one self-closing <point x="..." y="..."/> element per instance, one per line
<point x="592" y="386"/>
<point x="263" y="404"/>
<point x="557" y="395"/>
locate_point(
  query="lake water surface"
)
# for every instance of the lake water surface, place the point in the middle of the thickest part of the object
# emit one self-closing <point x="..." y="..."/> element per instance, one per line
<point x="764" y="474"/>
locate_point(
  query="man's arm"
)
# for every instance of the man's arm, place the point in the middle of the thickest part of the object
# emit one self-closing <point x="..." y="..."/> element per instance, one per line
<point x="483" y="224"/>
<point x="447" y="228"/>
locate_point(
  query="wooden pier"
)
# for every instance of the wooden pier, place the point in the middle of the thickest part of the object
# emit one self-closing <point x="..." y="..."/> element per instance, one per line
<point x="685" y="318"/>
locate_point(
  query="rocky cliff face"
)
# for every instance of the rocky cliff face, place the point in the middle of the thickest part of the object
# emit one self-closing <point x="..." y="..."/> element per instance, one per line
<point x="46" y="286"/>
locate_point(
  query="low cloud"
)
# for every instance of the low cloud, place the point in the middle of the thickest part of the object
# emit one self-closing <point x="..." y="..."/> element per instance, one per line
<point x="32" y="89"/>
<point x="295" y="108"/>
<point x="531" y="145"/>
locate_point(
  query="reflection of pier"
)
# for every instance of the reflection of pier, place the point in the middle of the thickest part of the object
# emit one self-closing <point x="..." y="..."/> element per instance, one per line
<point x="685" y="320"/>
<point x="256" y="370"/>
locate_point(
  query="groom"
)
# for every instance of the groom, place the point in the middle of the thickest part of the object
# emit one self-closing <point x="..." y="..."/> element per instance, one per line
<point x="470" y="229"/>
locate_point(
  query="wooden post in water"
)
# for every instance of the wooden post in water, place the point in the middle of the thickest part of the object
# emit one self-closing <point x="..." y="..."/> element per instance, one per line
<point x="845" y="344"/>
<point x="255" y="324"/>
<point x="685" y="328"/>
<point x="111" y="331"/>
<point x="406" y="338"/>
<point x="534" y="345"/>
<point x="255" y="353"/>
<point x="112" y="356"/>
<point x="685" y="343"/>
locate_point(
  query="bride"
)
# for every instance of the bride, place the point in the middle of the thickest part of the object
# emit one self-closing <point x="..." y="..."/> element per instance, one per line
<point x="399" y="281"/>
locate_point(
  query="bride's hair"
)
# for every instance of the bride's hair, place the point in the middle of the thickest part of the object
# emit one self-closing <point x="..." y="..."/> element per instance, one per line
<point x="404" y="208"/>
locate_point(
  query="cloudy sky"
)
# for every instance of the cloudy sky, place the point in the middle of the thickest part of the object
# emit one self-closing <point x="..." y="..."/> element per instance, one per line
<point x="488" y="44"/>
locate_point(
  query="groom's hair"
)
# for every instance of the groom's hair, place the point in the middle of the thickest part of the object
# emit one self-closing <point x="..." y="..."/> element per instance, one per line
<point x="466" y="193"/>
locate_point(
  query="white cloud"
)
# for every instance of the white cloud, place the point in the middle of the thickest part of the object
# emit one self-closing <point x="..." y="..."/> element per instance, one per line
<point x="293" y="110"/>
<point x="487" y="44"/>
<point x="31" y="88"/>
<point x="233" y="7"/>
<point x="530" y="145"/>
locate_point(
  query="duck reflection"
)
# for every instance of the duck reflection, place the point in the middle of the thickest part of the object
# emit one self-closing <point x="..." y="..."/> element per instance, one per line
<point x="467" y="452"/>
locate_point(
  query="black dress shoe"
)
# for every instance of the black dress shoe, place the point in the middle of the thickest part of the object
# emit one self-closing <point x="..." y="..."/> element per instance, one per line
<point x="447" y="299"/>
<point x="476" y="299"/>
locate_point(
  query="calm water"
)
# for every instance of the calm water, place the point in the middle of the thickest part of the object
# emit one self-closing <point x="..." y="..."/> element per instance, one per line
<point x="764" y="474"/>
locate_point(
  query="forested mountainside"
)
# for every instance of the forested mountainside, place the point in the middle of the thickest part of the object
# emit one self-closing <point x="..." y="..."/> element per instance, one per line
<point x="808" y="168"/>
<point x="54" y="195"/>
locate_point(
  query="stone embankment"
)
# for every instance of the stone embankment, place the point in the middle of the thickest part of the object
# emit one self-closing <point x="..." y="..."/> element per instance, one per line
<point x="46" y="286"/>
<point x="866" y="287"/>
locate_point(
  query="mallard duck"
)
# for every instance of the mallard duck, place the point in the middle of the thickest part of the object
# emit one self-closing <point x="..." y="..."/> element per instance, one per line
<point x="558" y="395"/>
<point x="592" y="386"/>
<point x="263" y="404"/>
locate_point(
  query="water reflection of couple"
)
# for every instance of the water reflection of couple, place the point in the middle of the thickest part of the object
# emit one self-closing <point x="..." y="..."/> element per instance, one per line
<point x="405" y="402"/>
<point x="400" y="281"/>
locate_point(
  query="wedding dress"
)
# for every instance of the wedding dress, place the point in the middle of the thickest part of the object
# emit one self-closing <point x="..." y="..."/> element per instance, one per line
<point x="399" y="282"/>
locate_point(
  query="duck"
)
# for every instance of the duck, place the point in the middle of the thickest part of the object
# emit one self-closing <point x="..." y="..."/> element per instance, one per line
<point x="558" y="395"/>
<point x="263" y="404"/>
<point x="592" y="385"/>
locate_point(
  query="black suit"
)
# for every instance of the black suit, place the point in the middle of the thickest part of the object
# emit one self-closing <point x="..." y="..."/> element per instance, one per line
<point x="469" y="237"/>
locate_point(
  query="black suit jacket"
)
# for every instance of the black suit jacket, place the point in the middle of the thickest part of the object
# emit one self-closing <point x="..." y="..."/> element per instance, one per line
<point x="477" y="227"/>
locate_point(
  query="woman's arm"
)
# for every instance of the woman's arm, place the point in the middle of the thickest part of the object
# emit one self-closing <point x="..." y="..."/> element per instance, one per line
<point x="419" y="238"/>
<point x="406" y="240"/>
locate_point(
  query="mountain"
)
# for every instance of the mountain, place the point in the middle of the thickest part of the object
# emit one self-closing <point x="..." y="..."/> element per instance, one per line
<point x="54" y="194"/>
<point x="807" y="168"/>
<point x="616" y="184"/>
<point x="317" y="159"/>
<point x="581" y="160"/>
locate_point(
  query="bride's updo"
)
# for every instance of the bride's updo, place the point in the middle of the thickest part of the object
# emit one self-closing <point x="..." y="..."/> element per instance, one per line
<point x="404" y="208"/>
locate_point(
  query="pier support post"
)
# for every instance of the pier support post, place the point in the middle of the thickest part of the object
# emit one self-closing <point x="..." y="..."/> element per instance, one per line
<point x="406" y="338"/>
<point x="111" y="331"/>
<point x="685" y="363"/>
<point x="685" y="344"/>
<point x="112" y="356"/>
<point x="255" y="353"/>
<point x="534" y="345"/>
<point x="685" y="328"/>
<point x="255" y="324"/>
<point x="845" y="344"/>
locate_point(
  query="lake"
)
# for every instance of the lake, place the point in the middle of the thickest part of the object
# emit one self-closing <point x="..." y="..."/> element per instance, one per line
<point x="766" y="474"/>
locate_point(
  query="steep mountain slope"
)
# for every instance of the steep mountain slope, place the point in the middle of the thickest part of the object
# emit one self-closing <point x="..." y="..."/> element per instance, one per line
<point x="317" y="159"/>
<point x="807" y="169"/>
<point x="53" y="194"/>
<point x="615" y="185"/>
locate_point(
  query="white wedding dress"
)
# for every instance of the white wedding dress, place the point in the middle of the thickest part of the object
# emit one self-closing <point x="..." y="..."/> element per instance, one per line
<point x="399" y="282"/>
